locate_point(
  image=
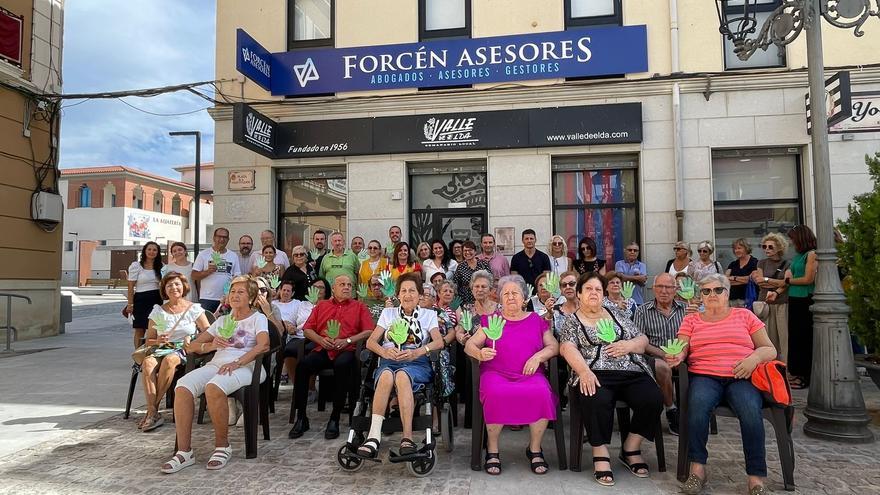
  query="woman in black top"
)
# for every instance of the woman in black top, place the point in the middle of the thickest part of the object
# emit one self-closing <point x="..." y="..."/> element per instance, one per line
<point x="739" y="271"/>
<point x="587" y="260"/>
<point x="301" y="273"/>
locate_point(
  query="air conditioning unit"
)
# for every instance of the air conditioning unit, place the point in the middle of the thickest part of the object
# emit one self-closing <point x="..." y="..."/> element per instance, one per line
<point x="47" y="207"/>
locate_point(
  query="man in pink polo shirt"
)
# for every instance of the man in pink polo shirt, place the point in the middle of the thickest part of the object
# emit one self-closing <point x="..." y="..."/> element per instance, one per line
<point x="497" y="261"/>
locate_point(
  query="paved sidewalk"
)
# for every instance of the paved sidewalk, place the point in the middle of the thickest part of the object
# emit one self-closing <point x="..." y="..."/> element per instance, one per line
<point x="87" y="381"/>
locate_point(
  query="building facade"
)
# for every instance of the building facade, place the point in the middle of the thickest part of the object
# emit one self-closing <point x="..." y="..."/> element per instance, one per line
<point x="30" y="246"/>
<point x="111" y="211"/>
<point x="688" y="144"/>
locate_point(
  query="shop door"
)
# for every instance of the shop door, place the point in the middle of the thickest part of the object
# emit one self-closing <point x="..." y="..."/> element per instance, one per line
<point x="447" y="203"/>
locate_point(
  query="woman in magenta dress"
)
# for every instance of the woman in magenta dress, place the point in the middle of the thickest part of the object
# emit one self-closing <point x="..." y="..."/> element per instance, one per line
<point x="513" y="387"/>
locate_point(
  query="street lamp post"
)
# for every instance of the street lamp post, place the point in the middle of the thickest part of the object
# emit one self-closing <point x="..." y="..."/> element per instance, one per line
<point x="198" y="182"/>
<point x="835" y="406"/>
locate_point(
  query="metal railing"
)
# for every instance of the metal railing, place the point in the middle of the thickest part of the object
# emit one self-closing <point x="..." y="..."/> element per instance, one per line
<point x="9" y="327"/>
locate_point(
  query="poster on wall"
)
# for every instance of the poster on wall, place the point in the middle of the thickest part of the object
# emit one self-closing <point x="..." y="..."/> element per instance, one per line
<point x="139" y="226"/>
<point x="504" y="239"/>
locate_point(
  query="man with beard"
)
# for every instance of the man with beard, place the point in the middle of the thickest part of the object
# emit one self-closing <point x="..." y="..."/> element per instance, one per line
<point x="245" y="251"/>
<point x="319" y="249"/>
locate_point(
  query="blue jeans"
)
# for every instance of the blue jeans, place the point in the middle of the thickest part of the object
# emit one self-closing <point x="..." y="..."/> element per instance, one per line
<point x="707" y="392"/>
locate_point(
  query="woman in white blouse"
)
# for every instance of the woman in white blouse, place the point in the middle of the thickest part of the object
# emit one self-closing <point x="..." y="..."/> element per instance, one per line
<point x="558" y="251"/>
<point x="171" y="326"/>
<point x="143" y="289"/>
<point x="179" y="263"/>
<point x="441" y="261"/>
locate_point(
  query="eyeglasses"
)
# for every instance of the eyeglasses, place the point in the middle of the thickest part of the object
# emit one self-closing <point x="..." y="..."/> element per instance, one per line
<point x="568" y="284"/>
<point x="585" y="248"/>
<point x="664" y="287"/>
<point x="636" y="250"/>
<point x="264" y="289"/>
<point x="679" y="249"/>
<point x="557" y="243"/>
<point x="299" y="254"/>
<point x="703" y="251"/>
<point x="768" y="246"/>
<point x="372" y="247"/>
<point x="716" y="290"/>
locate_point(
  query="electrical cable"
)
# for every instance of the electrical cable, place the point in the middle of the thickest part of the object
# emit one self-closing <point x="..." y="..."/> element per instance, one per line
<point x="161" y="114"/>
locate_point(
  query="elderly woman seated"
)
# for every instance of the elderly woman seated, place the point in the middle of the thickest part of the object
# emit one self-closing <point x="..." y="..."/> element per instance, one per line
<point x="604" y="350"/>
<point x="171" y="326"/>
<point x="231" y="368"/>
<point x="403" y="365"/>
<point x="724" y="346"/>
<point x="513" y="387"/>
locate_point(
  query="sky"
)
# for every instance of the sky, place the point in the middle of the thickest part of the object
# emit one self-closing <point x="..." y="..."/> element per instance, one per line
<point x="113" y="46"/>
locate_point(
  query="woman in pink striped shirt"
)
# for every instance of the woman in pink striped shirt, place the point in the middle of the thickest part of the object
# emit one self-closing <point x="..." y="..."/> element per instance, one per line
<point x="724" y="346"/>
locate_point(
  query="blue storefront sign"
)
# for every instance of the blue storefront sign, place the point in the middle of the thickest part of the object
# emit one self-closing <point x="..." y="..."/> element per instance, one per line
<point x="609" y="50"/>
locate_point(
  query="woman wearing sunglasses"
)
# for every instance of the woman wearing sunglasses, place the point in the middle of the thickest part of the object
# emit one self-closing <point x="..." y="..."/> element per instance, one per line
<point x="724" y="346"/>
<point x="374" y="264"/>
<point x="705" y="265"/>
<point x="559" y="260"/>
<point x="301" y="272"/>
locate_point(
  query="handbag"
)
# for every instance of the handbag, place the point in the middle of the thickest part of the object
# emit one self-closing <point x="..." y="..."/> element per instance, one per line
<point x="751" y="293"/>
<point x="146" y="351"/>
<point x="770" y="379"/>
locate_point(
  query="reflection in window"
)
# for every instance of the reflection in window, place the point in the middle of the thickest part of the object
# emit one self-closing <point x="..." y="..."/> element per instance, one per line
<point x="311" y="19"/>
<point x="591" y="8"/>
<point x="755" y="194"/>
<point x="598" y="203"/>
<point x="444" y="14"/>
<point x="310" y="204"/>
<point x="773" y="56"/>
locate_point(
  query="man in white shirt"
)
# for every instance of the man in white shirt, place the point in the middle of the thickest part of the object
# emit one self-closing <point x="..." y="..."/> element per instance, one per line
<point x="267" y="238"/>
<point x="214" y="267"/>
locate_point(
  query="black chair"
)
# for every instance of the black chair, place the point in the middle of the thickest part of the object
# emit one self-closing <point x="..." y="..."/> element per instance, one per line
<point x="326" y="379"/>
<point x="254" y="398"/>
<point x="478" y="430"/>
<point x="623" y="417"/>
<point x="779" y="417"/>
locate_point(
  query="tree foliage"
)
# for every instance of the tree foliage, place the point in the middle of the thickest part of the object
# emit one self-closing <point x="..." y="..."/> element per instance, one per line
<point x="860" y="257"/>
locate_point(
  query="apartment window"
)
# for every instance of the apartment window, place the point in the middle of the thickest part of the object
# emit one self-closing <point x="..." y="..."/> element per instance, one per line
<point x="310" y="23"/>
<point x="158" y="202"/>
<point x="137" y="198"/>
<point x="113" y="200"/>
<point x="596" y="197"/>
<point x="755" y="192"/>
<point x="68" y="245"/>
<point x="310" y="200"/>
<point x="774" y="56"/>
<point x="102" y="243"/>
<point x="592" y="13"/>
<point x="444" y="19"/>
<point x="85" y="197"/>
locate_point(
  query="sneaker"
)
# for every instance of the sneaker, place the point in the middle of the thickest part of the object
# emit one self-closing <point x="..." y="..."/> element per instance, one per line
<point x="672" y="419"/>
<point x="313" y="396"/>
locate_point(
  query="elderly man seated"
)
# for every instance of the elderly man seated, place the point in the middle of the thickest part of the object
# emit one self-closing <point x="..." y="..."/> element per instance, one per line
<point x="337" y="352"/>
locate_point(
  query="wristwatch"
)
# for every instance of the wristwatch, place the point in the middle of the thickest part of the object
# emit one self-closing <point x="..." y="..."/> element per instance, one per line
<point x="348" y="340"/>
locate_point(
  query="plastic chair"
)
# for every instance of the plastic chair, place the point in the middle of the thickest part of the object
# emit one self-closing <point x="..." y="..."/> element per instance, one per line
<point x="478" y="430"/>
<point x="780" y="418"/>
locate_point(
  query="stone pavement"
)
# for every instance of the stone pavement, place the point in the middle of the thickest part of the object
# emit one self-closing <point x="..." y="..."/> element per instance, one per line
<point x="111" y="456"/>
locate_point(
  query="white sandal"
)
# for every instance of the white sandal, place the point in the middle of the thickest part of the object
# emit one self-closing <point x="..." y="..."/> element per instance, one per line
<point x="221" y="456"/>
<point x="180" y="460"/>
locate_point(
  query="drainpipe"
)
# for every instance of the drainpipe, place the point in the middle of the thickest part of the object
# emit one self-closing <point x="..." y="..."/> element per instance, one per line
<point x="676" y="122"/>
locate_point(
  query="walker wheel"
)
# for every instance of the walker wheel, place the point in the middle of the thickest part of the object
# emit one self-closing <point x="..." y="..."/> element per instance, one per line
<point x="422" y="467"/>
<point x="348" y="461"/>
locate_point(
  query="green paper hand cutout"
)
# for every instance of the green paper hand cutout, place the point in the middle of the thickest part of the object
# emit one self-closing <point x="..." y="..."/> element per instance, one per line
<point x="363" y="291"/>
<point x="159" y="324"/>
<point x="227" y="328"/>
<point x="530" y="289"/>
<point x="495" y="328"/>
<point x="399" y="332"/>
<point x="274" y="281"/>
<point x="605" y="330"/>
<point x="387" y="282"/>
<point x="363" y="255"/>
<point x="627" y="290"/>
<point x="261" y="262"/>
<point x="227" y="287"/>
<point x="551" y="284"/>
<point x="673" y="347"/>
<point x="687" y="290"/>
<point x="312" y="295"/>
<point x="216" y="258"/>
<point x="314" y="254"/>
<point x="467" y="321"/>
<point x="333" y="329"/>
<point x="456" y="303"/>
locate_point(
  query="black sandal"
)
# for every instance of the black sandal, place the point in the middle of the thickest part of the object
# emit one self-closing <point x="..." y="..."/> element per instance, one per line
<point x="634" y="468"/>
<point x="494" y="465"/>
<point x="540" y="464"/>
<point x="369" y="449"/>
<point x="603" y="474"/>
<point x="407" y="447"/>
